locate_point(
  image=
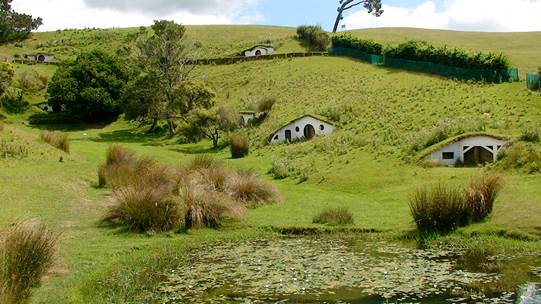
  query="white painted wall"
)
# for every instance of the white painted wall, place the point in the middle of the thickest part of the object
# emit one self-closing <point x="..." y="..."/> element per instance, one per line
<point x="246" y="117"/>
<point x="47" y="58"/>
<point x="280" y="135"/>
<point x="492" y="144"/>
<point x="264" y="51"/>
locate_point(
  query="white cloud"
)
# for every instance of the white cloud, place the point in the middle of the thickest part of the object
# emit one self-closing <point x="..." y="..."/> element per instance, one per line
<point x="470" y="15"/>
<point x="60" y="14"/>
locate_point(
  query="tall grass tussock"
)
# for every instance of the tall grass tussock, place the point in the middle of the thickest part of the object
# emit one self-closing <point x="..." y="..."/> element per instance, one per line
<point x="443" y="208"/>
<point x="334" y="217"/>
<point x="58" y="140"/>
<point x="240" y="146"/>
<point x="148" y="196"/>
<point x="27" y="252"/>
<point x="481" y="194"/>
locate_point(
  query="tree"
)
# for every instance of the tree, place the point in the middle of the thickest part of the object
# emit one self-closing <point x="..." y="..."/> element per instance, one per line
<point x="209" y="123"/>
<point x="373" y="7"/>
<point x="164" y="62"/>
<point x="15" y="26"/>
<point x="6" y="77"/>
<point x="90" y="86"/>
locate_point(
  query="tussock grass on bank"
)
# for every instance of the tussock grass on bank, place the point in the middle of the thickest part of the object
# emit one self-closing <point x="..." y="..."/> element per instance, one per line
<point x="149" y="196"/>
<point x="334" y="216"/>
<point x="27" y="251"/>
<point x="56" y="139"/>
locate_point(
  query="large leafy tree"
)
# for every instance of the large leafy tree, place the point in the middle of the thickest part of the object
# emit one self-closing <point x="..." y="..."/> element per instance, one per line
<point x="372" y="6"/>
<point x="90" y="86"/>
<point x="15" y="26"/>
<point x="164" y="62"/>
<point x="210" y="124"/>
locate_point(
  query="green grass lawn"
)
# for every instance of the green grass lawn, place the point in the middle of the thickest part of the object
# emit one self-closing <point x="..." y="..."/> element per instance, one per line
<point x="366" y="165"/>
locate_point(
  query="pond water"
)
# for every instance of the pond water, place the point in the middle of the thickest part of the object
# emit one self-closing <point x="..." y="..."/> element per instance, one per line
<point x="309" y="270"/>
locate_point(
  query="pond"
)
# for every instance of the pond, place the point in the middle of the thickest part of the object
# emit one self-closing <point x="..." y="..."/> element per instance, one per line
<point x="311" y="270"/>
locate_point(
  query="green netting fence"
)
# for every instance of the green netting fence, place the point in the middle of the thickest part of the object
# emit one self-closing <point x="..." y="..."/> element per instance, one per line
<point x="496" y="76"/>
<point x="533" y="81"/>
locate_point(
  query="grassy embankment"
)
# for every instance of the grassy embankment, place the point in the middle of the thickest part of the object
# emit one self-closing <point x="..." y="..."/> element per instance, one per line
<point x="364" y="166"/>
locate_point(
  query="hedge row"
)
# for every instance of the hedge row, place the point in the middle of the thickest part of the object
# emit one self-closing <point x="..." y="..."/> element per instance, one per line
<point x="423" y="51"/>
<point x="233" y="60"/>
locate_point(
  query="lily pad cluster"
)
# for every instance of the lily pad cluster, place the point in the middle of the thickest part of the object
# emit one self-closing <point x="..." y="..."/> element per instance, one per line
<point x="316" y="270"/>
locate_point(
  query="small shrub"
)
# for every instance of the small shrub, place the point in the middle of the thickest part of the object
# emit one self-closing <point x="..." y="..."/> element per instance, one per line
<point x="145" y="207"/>
<point x="31" y="81"/>
<point x="240" y="146"/>
<point x="314" y="37"/>
<point x="13" y="101"/>
<point x="56" y="139"/>
<point x="530" y="134"/>
<point x="250" y="189"/>
<point x="208" y="208"/>
<point x="265" y="104"/>
<point x="525" y="157"/>
<point x="480" y="196"/>
<point x="27" y="251"/>
<point x="334" y="216"/>
<point x="440" y="208"/>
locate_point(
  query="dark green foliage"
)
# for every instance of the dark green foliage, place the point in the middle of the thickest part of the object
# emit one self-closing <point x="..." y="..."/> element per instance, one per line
<point x="481" y="194"/>
<point x="15" y="26"/>
<point x="210" y="124"/>
<point x="440" y="208"/>
<point x="531" y="134"/>
<point x="314" y="37"/>
<point x="27" y="251"/>
<point x="363" y="45"/>
<point x="423" y="51"/>
<point x="240" y="146"/>
<point x="13" y="101"/>
<point x="525" y="157"/>
<point x="334" y="217"/>
<point x="90" y="86"/>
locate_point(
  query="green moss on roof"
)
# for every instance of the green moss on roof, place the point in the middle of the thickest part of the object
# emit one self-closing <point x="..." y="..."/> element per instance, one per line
<point x="424" y="153"/>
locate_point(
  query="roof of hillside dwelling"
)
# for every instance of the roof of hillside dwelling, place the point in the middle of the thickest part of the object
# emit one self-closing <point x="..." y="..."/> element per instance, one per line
<point x="37" y="54"/>
<point x="259" y="46"/>
<point x="299" y="118"/>
<point x="458" y="138"/>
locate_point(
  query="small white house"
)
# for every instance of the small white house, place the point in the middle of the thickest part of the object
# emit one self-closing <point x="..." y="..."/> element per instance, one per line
<point x="40" y="57"/>
<point x="259" y="50"/>
<point x="305" y="127"/>
<point x="469" y="149"/>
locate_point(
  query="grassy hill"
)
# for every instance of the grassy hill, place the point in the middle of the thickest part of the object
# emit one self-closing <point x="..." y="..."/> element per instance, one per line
<point x="523" y="49"/>
<point x="383" y="117"/>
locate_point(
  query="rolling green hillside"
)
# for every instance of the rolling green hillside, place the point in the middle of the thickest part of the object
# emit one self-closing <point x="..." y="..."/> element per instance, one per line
<point x="523" y="49"/>
<point x="384" y="117"/>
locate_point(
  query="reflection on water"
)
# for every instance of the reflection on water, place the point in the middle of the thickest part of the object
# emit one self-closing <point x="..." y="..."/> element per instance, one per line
<point x="308" y="270"/>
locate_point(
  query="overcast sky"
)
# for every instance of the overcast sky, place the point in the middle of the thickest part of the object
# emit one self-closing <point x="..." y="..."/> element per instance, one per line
<point x="471" y="15"/>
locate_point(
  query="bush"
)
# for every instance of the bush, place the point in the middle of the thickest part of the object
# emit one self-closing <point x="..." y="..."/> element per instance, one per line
<point x="202" y="162"/>
<point x="440" y="208"/>
<point x="119" y="155"/>
<point x="250" y="189"/>
<point x="208" y="208"/>
<point x="481" y="194"/>
<point x="334" y="216"/>
<point x="240" y="146"/>
<point x="313" y="36"/>
<point x="31" y="81"/>
<point x="145" y="207"/>
<point x="525" y="157"/>
<point x="27" y="251"/>
<point x="56" y="139"/>
<point x="13" y="101"/>
<point x="265" y="104"/>
<point x="530" y="134"/>
<point x="350" y="42"/>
